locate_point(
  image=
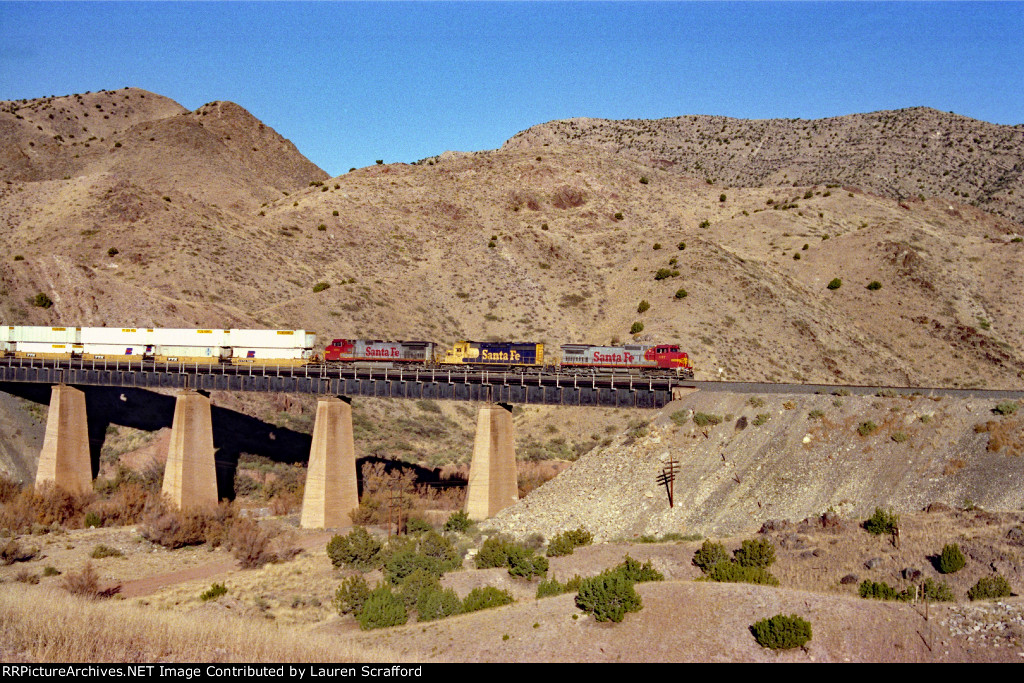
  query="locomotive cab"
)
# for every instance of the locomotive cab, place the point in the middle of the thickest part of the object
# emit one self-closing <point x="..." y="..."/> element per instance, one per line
<point x="670" y="357"/>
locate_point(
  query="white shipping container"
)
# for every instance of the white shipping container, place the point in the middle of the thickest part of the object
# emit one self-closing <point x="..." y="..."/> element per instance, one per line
<point x="133" y="350"/>
<point x="132" y="336"/>
<point x="43" y="347"/>
<point x="53" y="335"/>
<point x="271" y="339"/>
<point x="182" y="337"/>
<point x="188" y="351"/>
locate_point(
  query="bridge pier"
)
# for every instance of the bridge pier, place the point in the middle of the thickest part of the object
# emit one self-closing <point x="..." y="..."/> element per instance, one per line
<point x="190" y="478"/>
<point x="331" y="488"/>
<point x="493" y="483"/>
<point x="64" y="460"/>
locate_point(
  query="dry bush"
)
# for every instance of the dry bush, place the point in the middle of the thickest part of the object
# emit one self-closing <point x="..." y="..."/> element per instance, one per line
<point x="285" y="503"/>
<point x="534" y="474"/>
<point x="49" y="506"/>
<point x="1003" y="435"/>
<point x="175" y="529"/>
<point x="127" y="505"/>
<point x="568" y="197"/>
<point x="249" y="544"/>
<point x="12" y="551"/>
<point x="8" y="489"/>
<point x="85" y="583"/>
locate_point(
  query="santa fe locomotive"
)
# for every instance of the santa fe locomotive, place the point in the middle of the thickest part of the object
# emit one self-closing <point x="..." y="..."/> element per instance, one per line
<point x="297" y="347"/>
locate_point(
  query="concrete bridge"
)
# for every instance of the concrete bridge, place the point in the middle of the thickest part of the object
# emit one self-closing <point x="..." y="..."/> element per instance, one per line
<point x="331" y="491"/>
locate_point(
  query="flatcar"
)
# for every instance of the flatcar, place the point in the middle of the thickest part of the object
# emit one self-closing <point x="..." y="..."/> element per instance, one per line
<point x="159" y="345"/>
<point x="660" y="359"/>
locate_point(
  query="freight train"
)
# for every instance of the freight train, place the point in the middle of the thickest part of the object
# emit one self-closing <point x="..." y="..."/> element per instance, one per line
<point x="296" y="347"/>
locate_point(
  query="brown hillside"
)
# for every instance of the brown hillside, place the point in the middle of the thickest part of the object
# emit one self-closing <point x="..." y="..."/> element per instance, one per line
<point x="897" y="154"/>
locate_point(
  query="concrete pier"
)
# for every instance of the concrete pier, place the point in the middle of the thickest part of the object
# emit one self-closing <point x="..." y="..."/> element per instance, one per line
<point x="493" y="483"/>
<point x="190" y="478"/>
<point x="64" y="460"/>
<point x="331" y="488"/>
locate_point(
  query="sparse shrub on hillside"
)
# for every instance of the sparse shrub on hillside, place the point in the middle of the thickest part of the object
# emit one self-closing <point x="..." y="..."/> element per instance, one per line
<point x="732" y="572"/>
<point x="619" y="216"/>
<point x="900" y="437"/>
<point x="101" y="551"/>
<point x="681" y="246"/>
<point x="486" y="598"/>
<point x="874" y="285"/>
<point x="321" y="286"/>
<point x="680" y="417"/>
<point x="41" y="300"/>
<point x="721" y="197"/>
<point x="435" y="603"/>
<point x="835" y="283"/>
<point x="85" y="583"/>
<point x="990" y="588"/>
<point x="761" y="419"/>
<point x="882" y="522"/>
<point x="643" y="306"/>
<point x="866" y="428"/>
<point x="415" y="583"/>
<point x="636" y="328"/>
<point x="637" y="573"/>
<point x="1005" y="408"/>
<point x="936" y="592"/>
<point x="213" y="592"/>
<point x="351" y="595"/>
<point x="760" y="553"/>
<point x="705" y="419"/>
<point x="709" y="555"/>
<point x="113" y="251"/>
<point x="781" y="632"/>
<point x="657" y="246"/>
<point x="816" y="414"/>
<point x="322" y="227"/>
<point x="608" y="597"/>
<point x="665" y="273"/>
<point x="382" y="609"/>
<point x="644" y="180"/>
<point x="880" y="590"/>
<point x="551" y="587"/>
<point x="458" y="521"/>
<point x="357" y="549"/>
<point x="250" y="544"/>
<point x="524" y="564"/>
<point x="567" y="541"/>
<point x="681" y="293"/>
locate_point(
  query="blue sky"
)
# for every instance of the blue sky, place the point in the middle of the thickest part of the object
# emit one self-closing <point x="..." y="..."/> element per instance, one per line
<point x="350" y="83"/>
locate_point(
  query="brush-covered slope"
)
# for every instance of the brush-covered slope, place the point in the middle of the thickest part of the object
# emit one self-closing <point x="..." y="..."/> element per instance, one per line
<point x="897" y="154"/>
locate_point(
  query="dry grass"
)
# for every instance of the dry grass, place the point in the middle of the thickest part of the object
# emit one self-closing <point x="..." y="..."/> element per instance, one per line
<point x="42" y="624"/>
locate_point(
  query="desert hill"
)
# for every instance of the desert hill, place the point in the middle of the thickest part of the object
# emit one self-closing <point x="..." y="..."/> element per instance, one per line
<point x="916" y="152"/>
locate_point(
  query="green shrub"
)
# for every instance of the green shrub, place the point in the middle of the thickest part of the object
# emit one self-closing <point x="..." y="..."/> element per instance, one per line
<point x="415" y="583"/>
<point x="351" y="596"/>
<point x="213" y="592"/>
<point x="990" y="588"/>
<point x="816" y="414"/>
<point x="418" y="526"/>
<point x="759" y="553"/>
<point x="681" y="246"/>
<point x="493" y="553"/>
<point x="524" y="564"/>
<point x="322" y="227"/>
<point x="113" y="251"/>
<point x="436" y="604"/>
<point x="41" y="300"/>
<point x="709" y="555"/>
<point x="681" y="293"/>
<point x="866" y="428"/>
<point x="835" y="283"/>
<point x="643" y="180"/>
<point x="761" y="419"/>
<point x="321" y="286"/>
<point x="486" y="598"/>
<point x="357" y="549"/>
<point x="550" y="587"/>
<point x="882" y="522"/>
<point x="665" y="273"/>
<point x="936" y="592"/>
<point x="643" y="306"/>
<point x="608" y="597"/>
<point x="92" y="520"/>
<point x="721" y="197"/>
<point x="382" y="609"/>
<point x="874" y="285"/>
<point x="632" y="570"/>
<point x="880" y="590"/>
<point x="952" y="559"/>
<point x="781" y="632"/>
<point x="636" y="328"/>
<point x="732" y="572"/>
<point x="458" y="521"/>
<point x="101" y="551"/>
<point x="1005" y="408"/>
<point x="657" y="246"/>
<point x="705" y="419"/>
<point x="567" y="541"/>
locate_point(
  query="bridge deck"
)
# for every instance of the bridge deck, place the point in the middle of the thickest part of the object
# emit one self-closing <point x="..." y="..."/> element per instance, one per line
<point x="620" y="391"/>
